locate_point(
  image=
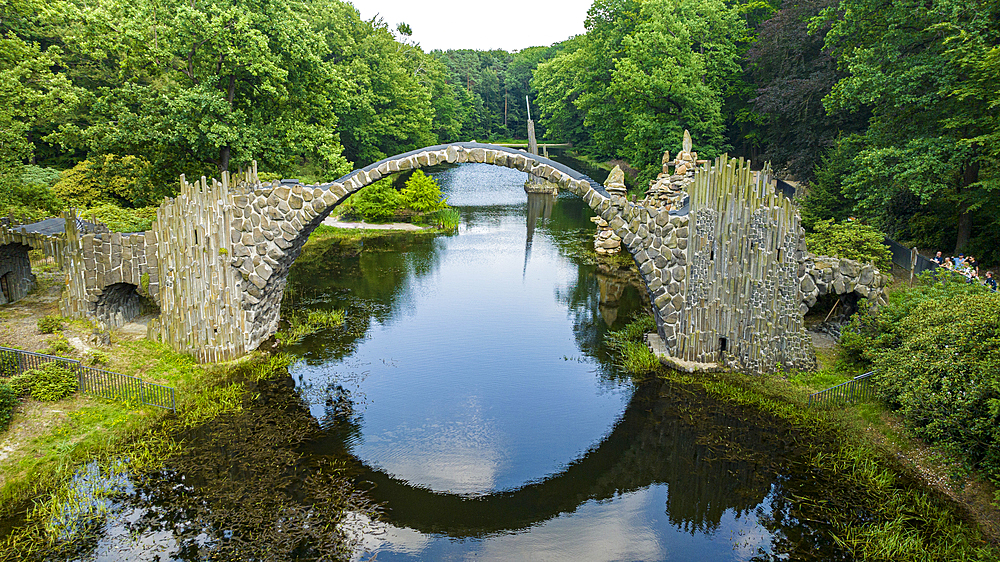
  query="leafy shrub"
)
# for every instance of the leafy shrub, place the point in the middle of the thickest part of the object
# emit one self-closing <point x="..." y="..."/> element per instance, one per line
<point x="25" y="192"/>
<point x="97" y="358"/>
<point x="37" y="175"/>
<point x="58" y="346"/>
<point x="851" y="240"/>
<point x="52" y="381"/>
<point x="49" y="324"/>
<point x="943" y="375"/>
<point x="123" y="180"/>
<point x="423" y="194"/>
<point x="872" y="332"/>
<point x="21" y="383"/>
<point x="120" y="219"/>
<point x="8" y="400"/>
<point x="377" y="202"/>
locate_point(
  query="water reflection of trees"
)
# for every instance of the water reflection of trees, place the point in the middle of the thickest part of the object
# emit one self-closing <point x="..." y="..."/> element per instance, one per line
<point x="267" y="481"/>
<point x="241" y="487"/>
<point x="367" y="279"/>
<point x="714" y="458"/>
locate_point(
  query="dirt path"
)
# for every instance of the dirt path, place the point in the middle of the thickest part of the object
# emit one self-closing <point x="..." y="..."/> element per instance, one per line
<point x="330" y="221"/>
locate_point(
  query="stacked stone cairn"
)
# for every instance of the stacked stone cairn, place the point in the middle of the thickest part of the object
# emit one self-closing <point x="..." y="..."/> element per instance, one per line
<point x="606" y="241"/>
<point x="669" y="189"/>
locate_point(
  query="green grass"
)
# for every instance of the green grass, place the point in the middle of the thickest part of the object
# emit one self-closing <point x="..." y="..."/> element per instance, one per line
<point x="634" y="356"/>
<point x="445" y="219"/>
<point x="305" y="322"/>
<point x="92" y="428"/>
<point x="38" y="477"/>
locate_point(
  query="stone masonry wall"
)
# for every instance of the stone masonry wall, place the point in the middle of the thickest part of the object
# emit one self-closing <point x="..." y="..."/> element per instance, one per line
<point x="729" y="279"/>
<point x="15" y="271"/>
<point x="95" y="262"/>
<point x="825" y="275"/>
<point x="273" y="222"/>
<point x="15" y="243"/>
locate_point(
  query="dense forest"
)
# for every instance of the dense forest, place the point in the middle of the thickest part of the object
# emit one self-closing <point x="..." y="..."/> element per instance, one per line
<point x="887" y="111"/>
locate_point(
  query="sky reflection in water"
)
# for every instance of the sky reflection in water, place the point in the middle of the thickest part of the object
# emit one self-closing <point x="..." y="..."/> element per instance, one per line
<point x="487" y="415"/>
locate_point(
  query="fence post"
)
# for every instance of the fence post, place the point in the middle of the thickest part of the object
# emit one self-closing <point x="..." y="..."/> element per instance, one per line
<point x="913" y="263"/>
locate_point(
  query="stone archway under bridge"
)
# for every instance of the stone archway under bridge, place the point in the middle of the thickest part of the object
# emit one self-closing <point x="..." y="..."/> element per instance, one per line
<point x="218" y="255"/>
<point x="726" y="273"/>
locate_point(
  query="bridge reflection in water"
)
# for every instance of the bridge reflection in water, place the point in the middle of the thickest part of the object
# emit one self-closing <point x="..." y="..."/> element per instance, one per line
<point x="712" y="458"/>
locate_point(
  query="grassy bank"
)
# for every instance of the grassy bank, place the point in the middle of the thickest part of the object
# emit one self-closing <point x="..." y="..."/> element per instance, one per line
<point x="50" y="441"/>
<point x="877" y="493"/>
<point x="63" y="463"/>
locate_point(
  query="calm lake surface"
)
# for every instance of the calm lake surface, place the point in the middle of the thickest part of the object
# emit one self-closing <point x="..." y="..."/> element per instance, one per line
<point x="483" y="408"/>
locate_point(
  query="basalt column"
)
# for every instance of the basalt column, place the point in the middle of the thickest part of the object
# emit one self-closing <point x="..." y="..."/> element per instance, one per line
<point x="743" y="295"/>
<point x="200" y="294"/>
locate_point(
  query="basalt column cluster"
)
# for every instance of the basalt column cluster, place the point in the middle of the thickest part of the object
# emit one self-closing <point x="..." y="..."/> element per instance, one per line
<point x="742" y="304"/>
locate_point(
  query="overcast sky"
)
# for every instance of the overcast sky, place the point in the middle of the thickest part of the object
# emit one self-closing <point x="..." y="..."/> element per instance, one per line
<point x="511" y="25"/>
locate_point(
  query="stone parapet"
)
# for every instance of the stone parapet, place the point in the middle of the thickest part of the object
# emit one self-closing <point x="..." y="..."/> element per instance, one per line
<point x="823" y="275"/>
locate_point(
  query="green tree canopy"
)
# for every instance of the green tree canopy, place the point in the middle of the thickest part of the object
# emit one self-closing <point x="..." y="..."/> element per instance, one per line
<point x="909" y="63"/>
<point x="644" y="73"/>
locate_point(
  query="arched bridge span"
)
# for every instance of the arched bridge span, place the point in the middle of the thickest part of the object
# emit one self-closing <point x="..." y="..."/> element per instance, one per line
<point x="218" y="255"/>
<point x="728" y="275"/>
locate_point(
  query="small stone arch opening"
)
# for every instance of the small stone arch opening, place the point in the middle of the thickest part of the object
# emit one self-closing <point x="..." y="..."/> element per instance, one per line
<point x="16" y="278"/>
<point x="121" y="303"/>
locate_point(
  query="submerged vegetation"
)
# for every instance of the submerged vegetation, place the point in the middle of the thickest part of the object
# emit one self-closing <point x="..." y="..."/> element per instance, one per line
<point x="876" y="508"/>
<point x="66" y="486"/>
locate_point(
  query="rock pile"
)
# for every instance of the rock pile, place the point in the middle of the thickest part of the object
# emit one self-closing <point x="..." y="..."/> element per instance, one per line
<point x="605" y="240"/>
<point x="669" y="189"/>
<point x="825" y="275"/>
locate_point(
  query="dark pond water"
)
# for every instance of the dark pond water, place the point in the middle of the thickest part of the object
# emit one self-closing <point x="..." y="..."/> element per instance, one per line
<point x="482" y="406"/>
<point x="470" y="393"/>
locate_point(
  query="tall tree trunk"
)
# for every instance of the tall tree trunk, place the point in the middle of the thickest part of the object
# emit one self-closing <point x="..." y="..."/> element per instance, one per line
<point x="970" y="175"/>
<point x="224" y="153"/>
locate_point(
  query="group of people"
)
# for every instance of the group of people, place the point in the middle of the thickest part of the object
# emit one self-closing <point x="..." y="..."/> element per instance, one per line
<point x="967" y="266"/>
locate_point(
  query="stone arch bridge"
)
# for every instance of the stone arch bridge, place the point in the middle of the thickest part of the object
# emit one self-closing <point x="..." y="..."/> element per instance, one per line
<point x="728" y="274"/>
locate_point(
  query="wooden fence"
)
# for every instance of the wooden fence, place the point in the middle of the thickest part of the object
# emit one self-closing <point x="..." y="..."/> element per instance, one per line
<point x="97" y="382"/>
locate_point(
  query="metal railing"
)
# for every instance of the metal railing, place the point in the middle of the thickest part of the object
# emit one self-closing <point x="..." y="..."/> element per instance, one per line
<point x="908" y="258"/>
<point x="97" y="382"/>
<point x="858" y="389"/>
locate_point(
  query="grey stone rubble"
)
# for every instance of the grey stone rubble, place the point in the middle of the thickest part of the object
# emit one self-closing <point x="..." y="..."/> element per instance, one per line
<point x="729" y="280"/>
